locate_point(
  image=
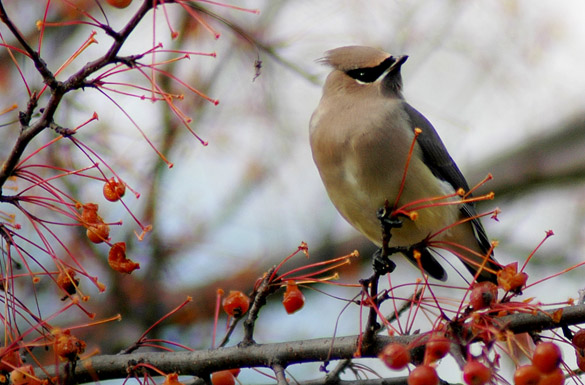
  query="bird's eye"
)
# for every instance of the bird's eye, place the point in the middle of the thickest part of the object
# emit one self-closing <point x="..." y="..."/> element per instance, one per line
<point x="366" y="75"/>
<point x="370" y="74"/>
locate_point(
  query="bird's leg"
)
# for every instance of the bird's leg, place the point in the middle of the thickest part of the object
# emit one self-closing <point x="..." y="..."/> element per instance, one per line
<point x="381" y="258"/>
<point x="382" y="263"/>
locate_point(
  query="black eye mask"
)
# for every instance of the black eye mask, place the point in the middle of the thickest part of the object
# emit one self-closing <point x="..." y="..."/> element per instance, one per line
<point x="371" y="74"/>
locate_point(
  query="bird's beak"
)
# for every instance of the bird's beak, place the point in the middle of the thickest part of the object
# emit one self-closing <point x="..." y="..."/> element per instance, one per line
<point x="398" y="62"/>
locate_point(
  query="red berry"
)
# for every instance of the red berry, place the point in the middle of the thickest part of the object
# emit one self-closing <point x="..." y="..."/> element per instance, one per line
<point x="476" y="373"/>
<point x="580" y="359"/>
<point x="556" y="377"/>
<point x="223" y="377"/>
<point x="293" y="299"/>
<point x="436" y="348"/>
<point x="579" y="339"/>
<point x="395" y="356"/>
<point x="547" y="357"/>
<point x="423" y="375"/>
<point x="235" y="371"/>
<point x="119" y="3"/>
<point x="527" y="375"/>
<point x="236" y="303"/>
<point x="483" y="295"/>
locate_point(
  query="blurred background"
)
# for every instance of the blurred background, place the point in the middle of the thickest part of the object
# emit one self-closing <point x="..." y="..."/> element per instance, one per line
<point x="501" y="81"/>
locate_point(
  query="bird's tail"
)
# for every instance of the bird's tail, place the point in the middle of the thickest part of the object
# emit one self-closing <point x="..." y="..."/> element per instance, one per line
<point x="427" y="261"/>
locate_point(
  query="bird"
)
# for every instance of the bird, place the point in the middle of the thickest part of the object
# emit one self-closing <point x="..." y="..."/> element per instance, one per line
<point x="361" y="134"/>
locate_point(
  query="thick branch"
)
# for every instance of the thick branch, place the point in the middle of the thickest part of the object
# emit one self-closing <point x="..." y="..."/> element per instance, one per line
<point x="201" y="363"/>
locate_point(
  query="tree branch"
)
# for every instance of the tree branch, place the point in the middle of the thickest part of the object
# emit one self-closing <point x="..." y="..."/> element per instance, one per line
<point x="203" y="362"/>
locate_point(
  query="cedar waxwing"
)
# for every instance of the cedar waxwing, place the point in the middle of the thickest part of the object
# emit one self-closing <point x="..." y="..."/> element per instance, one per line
<point x="361" y="135"/>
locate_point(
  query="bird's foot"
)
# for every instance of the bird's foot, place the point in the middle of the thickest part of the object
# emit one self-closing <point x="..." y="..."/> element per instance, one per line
<point x="382" y="263"/>
<point x="388" y="220"/>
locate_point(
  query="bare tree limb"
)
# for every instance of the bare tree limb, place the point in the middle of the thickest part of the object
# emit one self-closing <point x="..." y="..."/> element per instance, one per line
<point x="201" y="363"/>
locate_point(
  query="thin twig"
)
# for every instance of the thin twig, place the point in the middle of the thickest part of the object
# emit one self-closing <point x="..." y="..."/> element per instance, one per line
<point x="259" y="300"/>
<point x="280" y="374"/>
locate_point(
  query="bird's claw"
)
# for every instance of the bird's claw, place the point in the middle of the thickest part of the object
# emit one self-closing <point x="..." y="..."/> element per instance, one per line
<point x="382" y="264"/>
<point x="388" y="220"/>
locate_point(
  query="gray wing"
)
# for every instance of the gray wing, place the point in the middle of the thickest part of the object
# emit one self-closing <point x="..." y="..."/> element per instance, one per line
<point x="438" y="160"/>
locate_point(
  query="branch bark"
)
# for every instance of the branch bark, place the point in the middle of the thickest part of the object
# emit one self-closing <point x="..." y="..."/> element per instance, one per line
<point x="203" y="362"/>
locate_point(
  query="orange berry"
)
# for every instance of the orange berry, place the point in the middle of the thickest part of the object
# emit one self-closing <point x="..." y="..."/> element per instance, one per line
<point x="9" y="359"/>
<point x="235" y="371"/>
<point x="423" y="375"/>
<point x="476" y="373"/>
<point x="172" y="379"/>
<point x="89" y="214"/>
<point x="547" y="357"/>
<point x="223" y="377"/>
<point x="527" y="375"/>
<point x="114" y="190"/>
<point x="68" y="347"/>
<point x="395" y="356"/>
<point x="24" y="375"/>
<point x="436" y="348"/>
<point x="293" y="299"/>
<point x="510" y="280"/>
<point x="119" y="3"/>
<point x="556" y="377"/>
<point x="236" y="304"/>
<point x="483" y="295"/>
<point x="98" y="233"/>
<point x="66" y="280"/>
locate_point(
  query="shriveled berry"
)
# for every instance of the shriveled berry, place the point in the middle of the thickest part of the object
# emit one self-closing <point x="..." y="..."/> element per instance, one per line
<point x="67" y="281"/>
<point x="172" y="379"/>
<point x="510" y="279"/>
<point x="118" y="261"/>
<point x="67" y="346"/>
